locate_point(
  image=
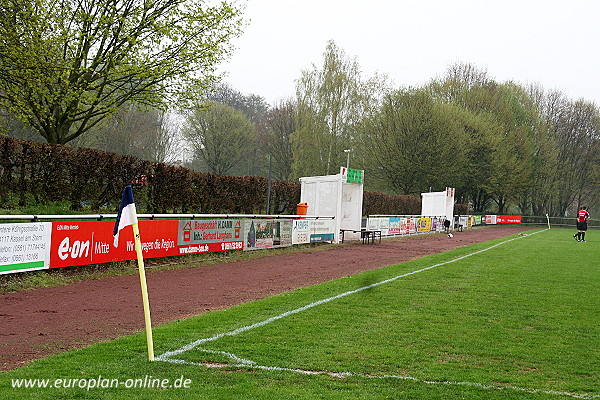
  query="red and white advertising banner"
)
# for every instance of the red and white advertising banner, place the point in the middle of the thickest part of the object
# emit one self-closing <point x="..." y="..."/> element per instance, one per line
<point x="201" y="236"/>
<point x="408" y="225"/>
<point x="91" y="242"/>
<point x="508" y="219"/>
<point x="502" y="219"/>
<point x="489" y="219"/>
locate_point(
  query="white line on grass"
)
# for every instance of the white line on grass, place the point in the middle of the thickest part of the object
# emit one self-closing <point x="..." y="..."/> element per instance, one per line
<point x="251" y="364"/>
<point x="240" y="362"/>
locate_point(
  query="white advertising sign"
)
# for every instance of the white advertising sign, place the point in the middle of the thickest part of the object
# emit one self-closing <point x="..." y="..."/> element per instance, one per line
<point x="24" y="247"/>
<point x="322" y="230"/>
<point x="301" y="231"/>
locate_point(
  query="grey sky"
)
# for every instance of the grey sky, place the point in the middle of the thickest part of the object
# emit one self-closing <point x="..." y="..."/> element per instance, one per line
<point x="554" y="43"/>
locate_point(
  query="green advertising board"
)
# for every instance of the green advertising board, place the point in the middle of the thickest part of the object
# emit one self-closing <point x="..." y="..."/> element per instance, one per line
<point x="355" y="176"/>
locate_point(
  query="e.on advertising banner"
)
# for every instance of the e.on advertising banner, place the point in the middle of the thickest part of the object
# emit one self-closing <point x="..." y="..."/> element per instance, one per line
<point x="509" y="219"/>
<point x="91" y="242"/>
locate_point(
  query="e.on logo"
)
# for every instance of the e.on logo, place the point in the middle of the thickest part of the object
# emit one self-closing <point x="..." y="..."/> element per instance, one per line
<point x="77" y="250"/>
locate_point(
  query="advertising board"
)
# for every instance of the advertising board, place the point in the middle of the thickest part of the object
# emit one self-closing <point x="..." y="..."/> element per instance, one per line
<point x="408" y="225"/>
<point x="301" y="231"/>
<point x="383" y="224"/>
<point x="91" y="242"/>
<point x="394" y="226"/>
<point x="200" y="236"/>
<point x="322" y="230"/>
<point x="43" y="245"/>
<point x="489" y="219"/>
<point x="267" y="233"/>
<point x="508" y="219"/>
<point x="424" y="225"/>
<point x="24" y="247"/>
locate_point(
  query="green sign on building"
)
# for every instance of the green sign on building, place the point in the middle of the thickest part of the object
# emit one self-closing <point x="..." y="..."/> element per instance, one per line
<point x="355" y="176"/>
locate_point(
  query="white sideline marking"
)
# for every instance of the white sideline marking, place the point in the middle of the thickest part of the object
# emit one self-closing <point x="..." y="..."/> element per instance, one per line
<point x="240" y="362"/>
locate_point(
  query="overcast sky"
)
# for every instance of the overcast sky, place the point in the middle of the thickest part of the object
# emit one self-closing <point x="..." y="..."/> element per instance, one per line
<point x="554" y="43"/>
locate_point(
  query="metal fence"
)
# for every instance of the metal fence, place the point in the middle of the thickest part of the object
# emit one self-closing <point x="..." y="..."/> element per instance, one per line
<point x="557" y="221"/>
<point x="102" y="217"/>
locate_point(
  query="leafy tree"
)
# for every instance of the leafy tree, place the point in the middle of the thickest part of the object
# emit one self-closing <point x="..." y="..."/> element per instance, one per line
<point x="65" y="65"/>
<point x="414" y="143"/>
<point x="571" y="138"/>
<point x="221" y="137"/>
<point x="477" y="150"/>
<point x="332" y="101"/>
<point x="576" y="131"/>
<point x="254" y="107"/>
<point x="513" y="151"/>
<point x="501" y="130"/>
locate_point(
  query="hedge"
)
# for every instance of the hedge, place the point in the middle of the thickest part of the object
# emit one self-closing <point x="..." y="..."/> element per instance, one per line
<point x="86" y="177"/>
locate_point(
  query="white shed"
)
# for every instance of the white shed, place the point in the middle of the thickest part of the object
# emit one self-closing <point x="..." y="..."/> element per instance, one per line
<point x="339" y="195"/>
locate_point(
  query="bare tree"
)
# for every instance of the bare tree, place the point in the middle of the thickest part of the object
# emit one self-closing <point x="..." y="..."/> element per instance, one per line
<point x="150" y="134"/>
<point x="221" y="137"/>
<point x="276" y="134"/>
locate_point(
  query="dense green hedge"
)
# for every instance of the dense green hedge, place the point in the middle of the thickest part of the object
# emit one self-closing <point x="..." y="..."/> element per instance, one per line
<point x="388" y="204"/>
<point x="39" y="172"/>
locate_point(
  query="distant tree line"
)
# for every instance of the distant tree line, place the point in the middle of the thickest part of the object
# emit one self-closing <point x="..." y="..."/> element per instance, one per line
<point x="505" y="147"/>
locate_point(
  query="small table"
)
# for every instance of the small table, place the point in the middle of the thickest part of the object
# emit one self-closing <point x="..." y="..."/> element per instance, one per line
<point x="365" y="234"/>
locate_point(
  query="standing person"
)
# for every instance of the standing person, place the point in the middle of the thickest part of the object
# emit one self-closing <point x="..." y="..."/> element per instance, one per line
<point x="582" y="219"/>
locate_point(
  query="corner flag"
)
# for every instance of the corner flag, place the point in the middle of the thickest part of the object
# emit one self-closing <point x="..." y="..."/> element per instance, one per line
<point x="127" y="216"/>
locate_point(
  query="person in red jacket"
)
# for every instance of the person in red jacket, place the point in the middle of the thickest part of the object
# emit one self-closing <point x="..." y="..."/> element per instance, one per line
<point x="582" y="224"/>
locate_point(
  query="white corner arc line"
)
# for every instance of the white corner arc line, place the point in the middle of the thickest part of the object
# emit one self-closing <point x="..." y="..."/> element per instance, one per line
<point x="253" y="365"/>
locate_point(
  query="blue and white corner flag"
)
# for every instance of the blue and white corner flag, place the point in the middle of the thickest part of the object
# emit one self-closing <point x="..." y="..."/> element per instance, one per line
<point x="127" y="214"/>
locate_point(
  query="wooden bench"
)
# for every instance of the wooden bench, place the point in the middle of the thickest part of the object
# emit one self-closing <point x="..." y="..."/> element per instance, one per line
<point x="366" y="235"/>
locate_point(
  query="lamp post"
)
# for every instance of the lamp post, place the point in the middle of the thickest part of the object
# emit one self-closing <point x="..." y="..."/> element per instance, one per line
<point x="348" y="159"/>
<point x="269" y="186"/>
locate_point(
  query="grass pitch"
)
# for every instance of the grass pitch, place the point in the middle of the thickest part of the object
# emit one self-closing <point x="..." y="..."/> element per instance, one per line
<point x="515" y="321"/>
